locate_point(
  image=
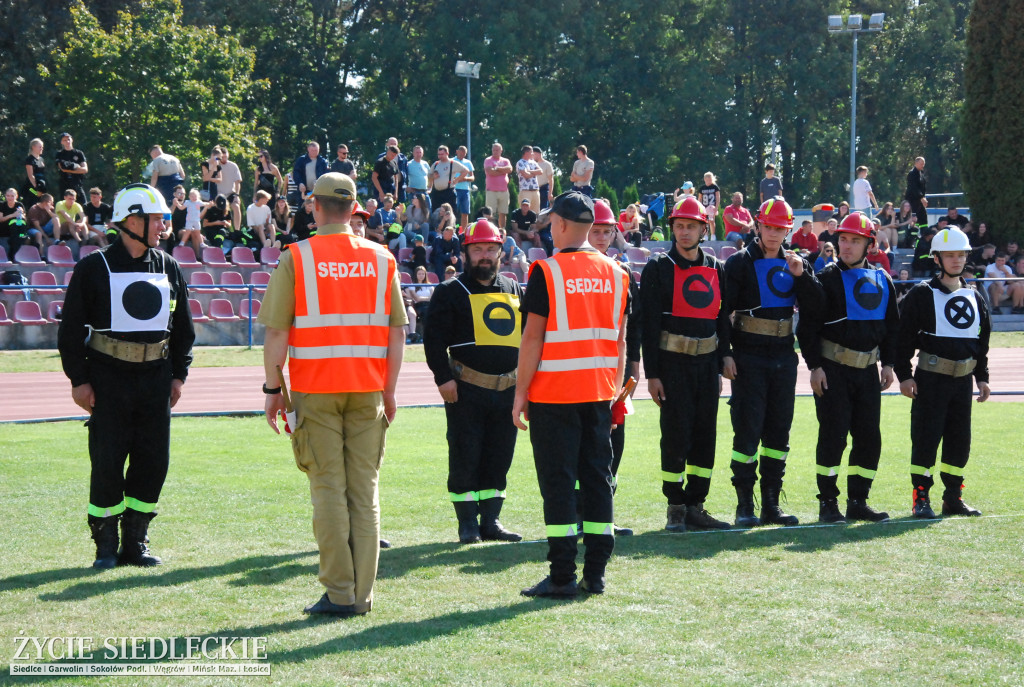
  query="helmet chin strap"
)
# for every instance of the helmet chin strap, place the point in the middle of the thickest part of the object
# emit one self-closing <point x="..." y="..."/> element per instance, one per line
<point x="942" y="268"/>
<point x="138" y="238"/>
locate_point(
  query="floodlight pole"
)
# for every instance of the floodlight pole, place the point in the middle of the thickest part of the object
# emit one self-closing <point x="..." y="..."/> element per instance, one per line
<point x="469" y="130"/>
<point x="853" y="119"/>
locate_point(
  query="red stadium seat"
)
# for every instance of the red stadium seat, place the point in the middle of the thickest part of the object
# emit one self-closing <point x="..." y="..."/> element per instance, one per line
<point x="67" y="277"/>
<point x="270" y="256"/>
<point x="404" y="254"/>
<point x="221" y="310"/>
<point x="511" y="275"/>
<point x="214" y="257"/>
<point x="86" y="250"/>
<point x="658" y="249"/>
<point x="28" y="312"/>
<point x="405" y="277"/>
<point x="232" y="282"/>
<point x="260" y="280"/>
<point x="243" y="257"/>
<point x="727" y="251"/>
<point x="636" y="275"/>
<point x="196" y="309"/>
<point x="202" y="282"/>
<point x="637" y="256"/>
<point x="4" y="320"/>
<point x="51" y="311"/>
<point x="28" y="256"/>
<point x="41" y="278"/>
<point x="432" y="278"/>
<point x="243" y="308"/>
<point x="60" y="256"/>
<point x="535" y="254"/>
<point x="186" y="257"/>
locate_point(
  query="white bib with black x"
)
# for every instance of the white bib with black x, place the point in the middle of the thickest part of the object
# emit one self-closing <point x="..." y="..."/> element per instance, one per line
<point x="956" y="314"/>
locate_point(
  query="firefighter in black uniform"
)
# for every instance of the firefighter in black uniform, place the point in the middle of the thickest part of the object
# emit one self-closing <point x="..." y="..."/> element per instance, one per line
<point x="763" y="282"/>
<point x="471" y="340"/>
<point x="843" y="333"/>
<point x="126" y="345"/>
<point x="684" y="333"/>
<point x="948" y="323"/>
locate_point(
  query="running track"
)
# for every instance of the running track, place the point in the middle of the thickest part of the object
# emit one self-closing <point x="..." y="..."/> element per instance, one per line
<point x="228" y="390"/>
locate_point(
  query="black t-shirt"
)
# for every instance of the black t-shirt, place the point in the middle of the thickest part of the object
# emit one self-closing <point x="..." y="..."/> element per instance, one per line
<point x="70" y="159"/>
<point x="8" y="227"/>
<point x="386" y="171"/>
<point x="301" y="222"/>
<point x="38" y="167"/>
<point x="959" y="220"/>
<point x="345" y="166"/>
<point x="97" y="216"/>
<point x="707" y="194"/>
<point x="211" y="186"/>
<point x="770" y="187"/>
<point x="523" y="222"/>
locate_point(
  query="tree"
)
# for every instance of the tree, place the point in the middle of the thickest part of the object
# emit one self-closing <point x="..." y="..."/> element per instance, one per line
<point x="152" y="80"/>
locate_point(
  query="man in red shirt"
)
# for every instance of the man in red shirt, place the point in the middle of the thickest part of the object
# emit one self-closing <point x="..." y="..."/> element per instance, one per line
<point x="805" y="240"/>
<point x="737" y="219"/>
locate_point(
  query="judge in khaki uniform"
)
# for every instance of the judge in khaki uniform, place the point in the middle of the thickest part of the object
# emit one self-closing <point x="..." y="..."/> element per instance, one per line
<point x="333" y="310"/>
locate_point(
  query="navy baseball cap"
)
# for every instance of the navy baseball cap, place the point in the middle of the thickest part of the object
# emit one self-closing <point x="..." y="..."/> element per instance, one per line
<point x="572" y="206"/>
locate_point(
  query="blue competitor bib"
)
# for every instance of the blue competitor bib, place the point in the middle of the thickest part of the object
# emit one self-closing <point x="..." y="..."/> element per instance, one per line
<point x="774" y="282"/>
<point x="867" y="294"/>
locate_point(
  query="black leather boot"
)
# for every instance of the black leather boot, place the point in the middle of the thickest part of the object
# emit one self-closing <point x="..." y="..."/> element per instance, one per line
<point x="469" y="529"/>
<point x="134" y="535"/>
<point x="922" y="504"/>
<point x="490" y="528"/>
<point x="771" y="512"/>
<point x="745" y="516"/>
<point x="676" y="519"/>
<point x="858" y="509"/>
<point x="953" y="503"/>
<point x="828" y="512"/>
<point x="697" y="517"/>
<point x="104" y="533"/>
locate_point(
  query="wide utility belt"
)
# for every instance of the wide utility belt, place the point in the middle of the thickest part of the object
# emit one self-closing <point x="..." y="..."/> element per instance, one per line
<point x="848" y="356"/>
<point x="485" y="381"/>
<point x="945" y="366"/>
<point x="687" y="345"/>
<point x="759" y="325"/>
<point x="129" y="351"/>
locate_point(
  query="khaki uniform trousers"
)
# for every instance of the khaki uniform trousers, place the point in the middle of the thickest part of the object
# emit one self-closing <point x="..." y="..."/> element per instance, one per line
<point x="339" y="443"/>
<point x="533" y="197"/>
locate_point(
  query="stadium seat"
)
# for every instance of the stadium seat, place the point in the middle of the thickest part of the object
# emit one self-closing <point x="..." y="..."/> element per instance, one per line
<point x="727" y="251"/>
<point x="404" y="254"/>
<point x="51" y="311"/>
<point x="613" y="252"/>
<point x="4" y="320"/>
<point x="86" y="250"/>
<point x="42" y="278"/>
<point x="4" y="262"/>
<point x="28" y="256"/>
<point x="534" y="254"/>
<point x="658" y="249"/>
<point x="67" y="277"/>
<point x="405" y="277"/>
<point x="28" y="312"/>
<point x="221" y="310"/>
<point x="432" y="278"/>
<point x="511" y="275"/>
<point x="636" y="275"/>
<point x="260" y="279"/>
<point x="270" y="256"/>
<point x="637" y="256"/>
<point x="709" y="250"/>
<point x="232" y="282"/>
<point x="243" y="257"/>
<point x="214" y="257"/>
<point x="186" y="257"/>
<point x="243" y="308"/>
<point x="197" y="311"/>
<point x="202" y="282"/>
<point x="60" y="256"/>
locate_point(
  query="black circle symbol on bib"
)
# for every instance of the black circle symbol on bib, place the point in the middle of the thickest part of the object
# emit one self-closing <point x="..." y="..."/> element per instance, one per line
<point x="959" y="312"/>
<point x="142" y="300"/>
<point x="697" y="291"/>
<point x="773" y="284"/>
<point x="500" y="318"/>
<point x="868" y="293"/>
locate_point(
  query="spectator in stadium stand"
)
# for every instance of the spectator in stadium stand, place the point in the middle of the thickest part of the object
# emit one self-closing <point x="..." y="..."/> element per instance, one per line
<point x="828" y="234"/>
<point x="923" y="265"/>
<point x="464" y="188"/>
<point x="308" y="167"/>
<point x="547" y="179"/>
<point x="231" y="176"/>
<point x="408" y="303"/>
<point x="512" y="255"/>
<point x="41" y="222"/>
<point x="418" y="257"/>
<point x="446" y="252"/>
<point x="687" y="189"/>
<point x="419" y="172"/>
<point x="842" y="211"/>
<point x="386" y="214"/>
<point x="450" y="273"/>
<point x="878" y="258"/>
<point x="191" y="223"/>
<point x="582" y="176"/>
<point x="954" y="217"/>
<point x="401" y="178"/>
<point x="711" y="198"/>
<point x="629" y="226"/>
<point x="906" y="225"/>
<point x="471" y="342"/>
<point x="523" y="221"/>
<point x="771" y="185"/>
<point x="826" y="257"/>
<point x="948" y="324"/>
<point x="980" y="236"/>
<point x="385" y="174"/>
<point x="71" y="166"/>
<point x="211" y="170"/>
<point x="70" y="226"/>
<point x="1013" y="252"/>
<point x="422" y="294"/>
<point x="529" y="173"/>
<point x="97" y="217"/>
<point x="343" y="164"/>
<point x="125" y="343"/>
<point x="917" y="188"/>
<point x="999" y="291"/>
<point x="164" y="172"/>
<point x="416" y="218"/>
<point x="268" y="177"/>
<point x="34" y="183"/>
<point x="178" y="211"/>
<point x="13" y="224"/>
<point x="805" y="240"/>
<point x="888" y="226"/>
<point x="303" y="222"/>
<point x="737" y="219"/>
<point x="216" y="225"/>
<point x="981" y="258"/>
<point x="259" y="223"/>
<point x="282" y="216"/>
<point x="497" y="169"/>
<point x="445" y="173"/>
<point x="863" y="196"/>
<point x="441" y="217"/>
<point x="903" y="284"/>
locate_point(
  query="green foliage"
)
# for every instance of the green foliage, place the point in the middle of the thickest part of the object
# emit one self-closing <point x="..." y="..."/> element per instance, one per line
<point x="992" y="130"/>
<point x="630" y="195"/>
<point x="602" y="189"/>
<point x="152" y="80"/>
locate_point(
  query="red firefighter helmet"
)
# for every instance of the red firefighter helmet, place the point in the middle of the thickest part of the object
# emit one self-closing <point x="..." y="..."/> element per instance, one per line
<point x="857" y="223"/>
<point x="603" y="213"/>
<point x="481" y="232"/>
<point x="689" y="208"/>
<point x="358" y="209"/>
<point x="775" y="212"/>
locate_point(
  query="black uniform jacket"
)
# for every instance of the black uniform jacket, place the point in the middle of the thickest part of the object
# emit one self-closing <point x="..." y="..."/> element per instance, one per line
<point x="450" y="327"/>
<point x="917" y="332"/>
<point x="743" y="294"/>
<point x="658" y="297"/>
<point x="87" y="304"/>
<point x="828" y="316"/>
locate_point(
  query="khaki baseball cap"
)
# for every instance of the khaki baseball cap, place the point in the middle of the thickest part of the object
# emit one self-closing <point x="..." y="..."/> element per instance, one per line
<point x="334" y="185"/>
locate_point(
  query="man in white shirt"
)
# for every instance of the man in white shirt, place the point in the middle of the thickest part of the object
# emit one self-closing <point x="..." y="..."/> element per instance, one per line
<point x="998" y="291"/>
<point x="863" y="196"/>
<point x="230" y="176"/>
<point x="529" y="172"/>
<point x="582" y="176"/>
<point x="547" y="179"/>
<point x="258" y="219"/>
<point x="445" y="174"/>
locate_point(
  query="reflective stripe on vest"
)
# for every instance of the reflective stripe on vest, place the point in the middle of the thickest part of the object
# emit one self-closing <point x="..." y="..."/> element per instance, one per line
<point x="580" y="353"/>
<point x="339" y="339"/>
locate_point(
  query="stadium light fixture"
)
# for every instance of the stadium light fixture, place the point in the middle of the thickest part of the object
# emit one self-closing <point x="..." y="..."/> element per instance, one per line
<point x="469" y="70"/>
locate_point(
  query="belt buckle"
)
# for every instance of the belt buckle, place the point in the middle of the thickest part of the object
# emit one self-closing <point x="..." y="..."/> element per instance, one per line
<point x="165" y="349"/>
<point x="932" y="361"/>
<point x="457" y="369"/>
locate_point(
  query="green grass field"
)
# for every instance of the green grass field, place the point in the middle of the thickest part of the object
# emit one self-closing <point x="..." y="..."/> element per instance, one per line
<point x="906" y="602"/>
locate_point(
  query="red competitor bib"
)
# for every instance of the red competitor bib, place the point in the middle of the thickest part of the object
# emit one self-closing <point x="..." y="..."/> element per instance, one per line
<point x="696" y="293"/>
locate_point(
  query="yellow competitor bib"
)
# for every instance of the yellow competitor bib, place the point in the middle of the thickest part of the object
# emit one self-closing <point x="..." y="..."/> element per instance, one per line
<point x="496" y="319"/>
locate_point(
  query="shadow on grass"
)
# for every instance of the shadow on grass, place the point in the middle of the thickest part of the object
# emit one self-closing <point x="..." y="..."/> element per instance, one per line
<point x="699" y="545"/>
<point x="480" y="559"/>
<point x="252" y="566"/>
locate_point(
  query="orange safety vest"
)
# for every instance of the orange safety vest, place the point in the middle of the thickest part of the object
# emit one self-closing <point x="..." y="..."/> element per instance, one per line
<point x="339" y="339"/>
<point x="587" y="301"/>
